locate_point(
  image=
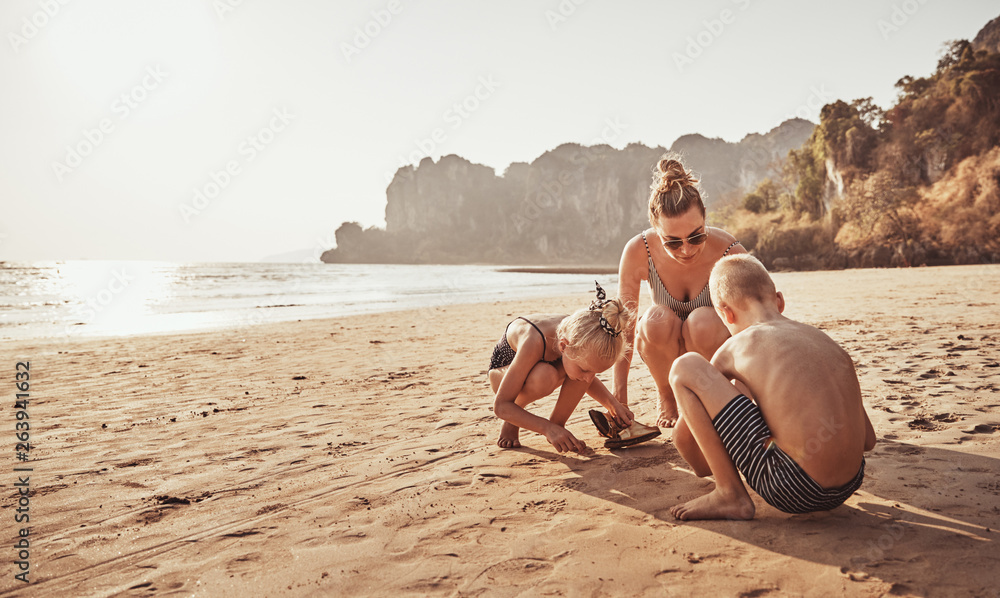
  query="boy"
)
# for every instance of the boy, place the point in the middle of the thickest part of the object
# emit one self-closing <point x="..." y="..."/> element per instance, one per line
<point x="800" y="441"/>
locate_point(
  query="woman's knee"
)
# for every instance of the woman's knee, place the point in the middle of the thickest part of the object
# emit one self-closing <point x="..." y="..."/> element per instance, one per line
<point x="703" y="331"/>
<point x="659" y="329"/>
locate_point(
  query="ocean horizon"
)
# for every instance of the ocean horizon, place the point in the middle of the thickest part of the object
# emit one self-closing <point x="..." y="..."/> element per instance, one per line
<point x="97" y="298"/>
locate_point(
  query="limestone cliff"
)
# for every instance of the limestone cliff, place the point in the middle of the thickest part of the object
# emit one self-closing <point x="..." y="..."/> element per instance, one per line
<point x="988" y="37"/>
<point x="571" y="205"/>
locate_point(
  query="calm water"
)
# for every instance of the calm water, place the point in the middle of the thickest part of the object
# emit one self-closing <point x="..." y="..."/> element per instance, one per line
<point x="104" y="298"/>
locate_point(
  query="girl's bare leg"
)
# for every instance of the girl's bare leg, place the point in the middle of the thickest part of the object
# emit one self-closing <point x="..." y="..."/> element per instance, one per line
<point x="541" y="381"/>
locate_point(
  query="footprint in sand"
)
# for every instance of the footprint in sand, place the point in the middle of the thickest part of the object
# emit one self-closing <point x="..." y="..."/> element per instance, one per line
<point x="983" y="429"/>
<point x="904" y="449"/>
<point x="515" y="572"/>
<point x="638" y="463"/>
<point x="548" y="506"/>
<point x="946" y="417"/>
<point x="923" y="424"/>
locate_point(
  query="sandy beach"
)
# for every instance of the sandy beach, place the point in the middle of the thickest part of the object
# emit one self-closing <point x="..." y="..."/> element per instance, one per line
<point x="357" y="457"/>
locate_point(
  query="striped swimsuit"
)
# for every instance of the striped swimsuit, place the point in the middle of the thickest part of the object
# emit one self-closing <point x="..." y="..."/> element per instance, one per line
<point x="662" y="297"/>
<point x="772" y="474"/>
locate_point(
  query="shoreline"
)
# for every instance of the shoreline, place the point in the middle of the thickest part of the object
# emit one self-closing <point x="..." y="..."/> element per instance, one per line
<point x="75" y="300"/>
<point x="787" y="277"/>
<point x="190" y="461"/>
<point x="596" y="270"/>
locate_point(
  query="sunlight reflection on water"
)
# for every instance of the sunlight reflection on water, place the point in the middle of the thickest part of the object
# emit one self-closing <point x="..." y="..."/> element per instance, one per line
<point x="116" y="298"/>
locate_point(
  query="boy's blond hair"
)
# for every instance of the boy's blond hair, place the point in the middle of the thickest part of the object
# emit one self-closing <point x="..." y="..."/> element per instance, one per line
<point x="735" y="279"/>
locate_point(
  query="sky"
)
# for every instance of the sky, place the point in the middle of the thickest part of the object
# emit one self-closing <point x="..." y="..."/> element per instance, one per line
<point x="237" y="130"/>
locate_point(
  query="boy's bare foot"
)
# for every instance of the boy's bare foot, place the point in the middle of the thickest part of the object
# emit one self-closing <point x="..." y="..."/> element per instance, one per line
<point x="509" y="436"/>
<point x="668" y="413"/>
<point x="716" y="505"/>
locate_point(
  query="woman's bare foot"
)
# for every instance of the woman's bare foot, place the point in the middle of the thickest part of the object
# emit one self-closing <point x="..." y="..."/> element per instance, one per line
<point x="716" y="505"/>
<point x="668" y="413"/>
<point x="509" y="436"/>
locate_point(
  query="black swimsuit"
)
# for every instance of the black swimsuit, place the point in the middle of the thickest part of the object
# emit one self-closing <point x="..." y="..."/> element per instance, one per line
<point x="503" y="353"/>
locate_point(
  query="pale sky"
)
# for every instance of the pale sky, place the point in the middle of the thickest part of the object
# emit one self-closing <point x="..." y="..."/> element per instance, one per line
<point x="289" y="118"/>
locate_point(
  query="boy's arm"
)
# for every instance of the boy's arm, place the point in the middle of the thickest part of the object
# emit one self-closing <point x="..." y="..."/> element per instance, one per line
<point x="869" y="431"/>
<point x="724" y="361"/>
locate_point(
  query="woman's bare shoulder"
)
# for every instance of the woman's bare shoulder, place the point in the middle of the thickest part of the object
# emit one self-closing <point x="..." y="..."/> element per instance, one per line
<point x="637" y="249"/>
<point x="634" y="256"/>
<point x="720" y="235"/>
<point x="637" y="243"/>
<point x="724" y="241"/>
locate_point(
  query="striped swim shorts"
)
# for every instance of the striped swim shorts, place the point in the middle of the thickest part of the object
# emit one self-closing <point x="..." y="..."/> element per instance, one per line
<point x="771" y="473"/>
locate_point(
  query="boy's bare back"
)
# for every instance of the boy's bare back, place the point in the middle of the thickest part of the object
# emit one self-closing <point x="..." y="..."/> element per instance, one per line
<point x="808" y="392"/>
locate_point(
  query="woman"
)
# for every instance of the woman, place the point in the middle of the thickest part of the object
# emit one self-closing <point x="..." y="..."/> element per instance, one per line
<point x="675" y="257"/>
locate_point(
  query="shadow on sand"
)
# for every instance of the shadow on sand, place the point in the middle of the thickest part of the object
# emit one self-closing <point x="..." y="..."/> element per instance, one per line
<point x="927" y="513"/>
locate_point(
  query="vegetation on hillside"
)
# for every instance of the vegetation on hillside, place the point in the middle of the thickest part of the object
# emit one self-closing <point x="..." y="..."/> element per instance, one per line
<point x="916" y="184"/>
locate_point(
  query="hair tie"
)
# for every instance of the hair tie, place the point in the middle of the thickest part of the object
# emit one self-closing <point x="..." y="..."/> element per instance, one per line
<point x="598" y="306"/>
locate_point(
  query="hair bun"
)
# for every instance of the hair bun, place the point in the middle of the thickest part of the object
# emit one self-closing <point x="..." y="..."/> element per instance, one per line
<point x="672" y="172"/>
<point x="616" y="315"/>
<point x="665" y="165"/>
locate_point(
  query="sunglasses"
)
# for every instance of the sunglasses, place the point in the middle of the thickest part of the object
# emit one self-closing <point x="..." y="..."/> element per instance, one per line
<point x="675" y="244"/>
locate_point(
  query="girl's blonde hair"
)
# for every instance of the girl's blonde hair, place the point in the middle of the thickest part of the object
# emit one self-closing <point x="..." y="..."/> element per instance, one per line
<point x="674" y="191"/>
<point x="585" y="332"/>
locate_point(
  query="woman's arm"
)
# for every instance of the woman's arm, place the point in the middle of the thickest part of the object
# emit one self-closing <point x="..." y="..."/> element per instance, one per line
<point x="631" y="272"/>
<point x="870" y="438"/>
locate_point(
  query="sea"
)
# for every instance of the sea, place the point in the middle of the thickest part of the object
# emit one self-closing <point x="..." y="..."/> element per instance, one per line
<point x="91" y="298"/>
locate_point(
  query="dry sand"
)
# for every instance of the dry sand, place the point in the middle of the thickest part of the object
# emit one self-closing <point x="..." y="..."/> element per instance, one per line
<point x="357" y="457"/>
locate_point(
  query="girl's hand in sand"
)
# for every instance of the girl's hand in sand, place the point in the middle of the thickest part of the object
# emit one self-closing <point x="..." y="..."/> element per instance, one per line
<point x="563" y="440"/>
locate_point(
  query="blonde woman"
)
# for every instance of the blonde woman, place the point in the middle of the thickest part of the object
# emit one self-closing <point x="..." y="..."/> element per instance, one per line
<point x="675" y="256"/>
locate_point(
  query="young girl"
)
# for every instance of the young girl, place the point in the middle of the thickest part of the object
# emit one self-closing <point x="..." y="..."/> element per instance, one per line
<point x="540" y="353"/>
